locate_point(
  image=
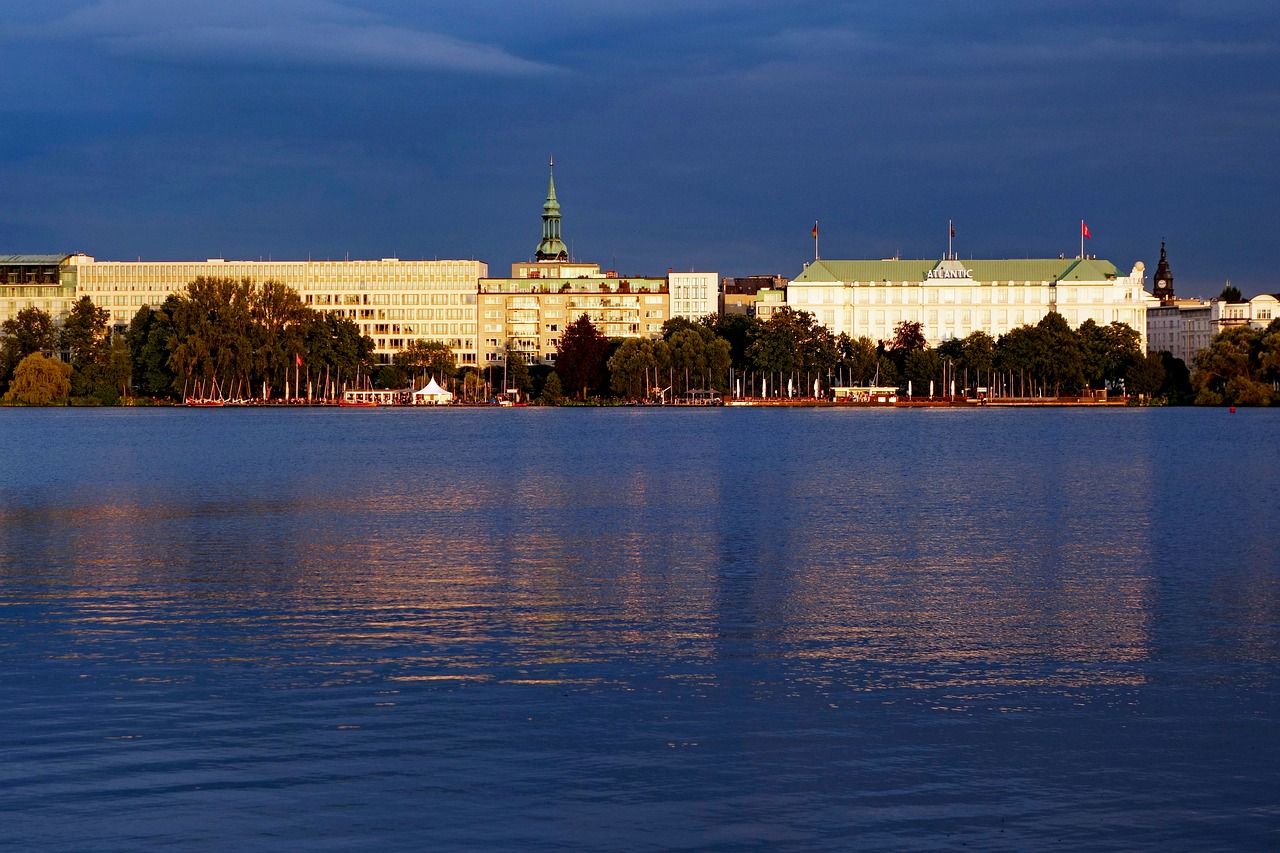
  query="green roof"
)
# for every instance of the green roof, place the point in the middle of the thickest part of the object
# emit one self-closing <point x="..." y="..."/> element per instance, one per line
<point x="1018" y="270"/>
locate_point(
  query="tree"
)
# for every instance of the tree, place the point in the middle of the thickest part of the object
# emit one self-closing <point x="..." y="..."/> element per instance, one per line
<point x="1057" y="362"/>
<point x="518" y="374"/>
<point x="908" y="336"/>
<point x="148" y="338"/>
<point x="1229" y="371"/>
<point x="739" y="331"/>
<point x="552" y="392"/>
<point x="920" y="367"/>
<point x="1107" y="352"/>
<point x="636" y="360"/>
<point x="1147" y="375"/>
<point x="1231" y="293"/>
<point x="858" y="359"/>
<point x="434" y="359"/>
<point x="39" y="381"/>
<point x="580" y="357"/>
<point x="30" y="330"/>
<point x="84" y="336"/>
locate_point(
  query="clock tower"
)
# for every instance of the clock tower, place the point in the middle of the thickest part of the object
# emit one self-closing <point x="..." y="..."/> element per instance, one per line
<point x="1163" y="289"/>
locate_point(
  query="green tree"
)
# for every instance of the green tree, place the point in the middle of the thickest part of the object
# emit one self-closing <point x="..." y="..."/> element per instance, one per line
<point x="1147" y="375"/>
<point x="580" y="357"/>
<point x="920" y="367"/>
<point x="148" y="337"/>
<point x="84" y="336"/>
<point x="552" y="391"/>
<point x="39" y="381"/>
<point x="518" y="375"/>
<point x="1231" y="293"/>
<point x="30" y="330"/>
<point x="636" y="360"/>
<point x="1107" y="352"/>
<point x="1229" y="370"/>
<point x="739" y="331"/>
<point x="426" y="360"/>
<point x="859" y="359"/>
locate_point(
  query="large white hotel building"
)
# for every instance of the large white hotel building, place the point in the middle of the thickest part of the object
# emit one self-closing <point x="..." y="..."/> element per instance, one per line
<point x="393" y="301"/>
<point x="952" y="298"/>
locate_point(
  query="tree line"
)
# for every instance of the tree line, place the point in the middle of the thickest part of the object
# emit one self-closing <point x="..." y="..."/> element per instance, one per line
<point x="234" y="338"/>
<point x="790" y="353"/>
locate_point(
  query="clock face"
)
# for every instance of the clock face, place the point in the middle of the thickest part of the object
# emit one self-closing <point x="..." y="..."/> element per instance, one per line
<point x="1162" y="284"/>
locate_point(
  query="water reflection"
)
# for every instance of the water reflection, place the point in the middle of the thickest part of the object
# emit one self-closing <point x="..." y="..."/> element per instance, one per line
<point x="937" y="560"/>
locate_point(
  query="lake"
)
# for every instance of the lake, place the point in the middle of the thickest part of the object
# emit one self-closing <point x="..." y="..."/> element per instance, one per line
<point x="620" y="629"/>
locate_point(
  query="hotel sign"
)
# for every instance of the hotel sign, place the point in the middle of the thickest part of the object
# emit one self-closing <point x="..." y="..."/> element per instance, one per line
<point x="950" y="270"/>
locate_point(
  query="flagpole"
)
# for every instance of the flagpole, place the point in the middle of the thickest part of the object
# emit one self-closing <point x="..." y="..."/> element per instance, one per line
<point x="951" y="236"/>
<point x="815" y="239"/>
<point x="1082" y="239"/>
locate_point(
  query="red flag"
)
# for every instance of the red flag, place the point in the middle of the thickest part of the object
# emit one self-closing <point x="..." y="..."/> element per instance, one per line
<point x="953" y="232"/>
<point x="1084" y="230"/>
<point x="815" y="228"/>
<point x="297" y="359"/>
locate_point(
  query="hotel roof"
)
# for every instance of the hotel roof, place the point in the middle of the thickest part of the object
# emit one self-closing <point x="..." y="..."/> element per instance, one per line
<point x="1031" y="269"/>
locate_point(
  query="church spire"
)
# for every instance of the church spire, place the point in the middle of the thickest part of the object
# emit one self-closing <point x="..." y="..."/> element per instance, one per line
<point x="551" y="248"/>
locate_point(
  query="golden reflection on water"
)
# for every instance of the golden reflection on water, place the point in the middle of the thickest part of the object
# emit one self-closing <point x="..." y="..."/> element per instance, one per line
<point x="862" y="581"/>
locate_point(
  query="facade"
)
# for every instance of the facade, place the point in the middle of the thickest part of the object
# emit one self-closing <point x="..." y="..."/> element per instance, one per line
<point x="694" y="295"/>
<point x="953" y="298"/>
<point x="769" y="302"/>
<point x="739" y="294"/>
<point x="530" y="314"/>
<point x="1184" y="327"/>
<point x="46" y="282"/>
<point x="393" y="301"/>
<point x="530" y="310"/>
<point x="1180" y="327"/>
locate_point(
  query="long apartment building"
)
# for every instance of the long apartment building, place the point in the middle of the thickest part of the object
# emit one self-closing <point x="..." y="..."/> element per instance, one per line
<point x="393" y="301"/>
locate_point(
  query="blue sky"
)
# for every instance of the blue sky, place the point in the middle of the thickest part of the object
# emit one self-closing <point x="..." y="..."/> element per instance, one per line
<point x="701" y="133"/>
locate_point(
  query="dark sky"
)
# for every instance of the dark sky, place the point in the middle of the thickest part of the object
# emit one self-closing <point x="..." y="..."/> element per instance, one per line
<point x="698" y="133"/>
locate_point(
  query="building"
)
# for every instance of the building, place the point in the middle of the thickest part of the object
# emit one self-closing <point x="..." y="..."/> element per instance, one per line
<point x="393" y="301"/>
<point x="530" y="310"/>
<point x="46" y="282"/>
<point x="1184" y="327"/>
<point x="1180" y="327"/>
<point x="694" y="295"/>
<point x="739" y="294"/>
<point x="953" y="298"/>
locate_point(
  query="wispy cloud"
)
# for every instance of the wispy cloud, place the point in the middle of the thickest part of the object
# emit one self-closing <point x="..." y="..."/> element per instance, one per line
<point x="309" y="33"/>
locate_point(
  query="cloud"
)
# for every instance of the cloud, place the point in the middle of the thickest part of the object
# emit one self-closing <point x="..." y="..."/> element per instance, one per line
<point x="309" y="33"/>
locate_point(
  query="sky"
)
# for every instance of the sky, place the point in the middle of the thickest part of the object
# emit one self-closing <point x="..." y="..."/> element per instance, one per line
<point x="700" y="134"/>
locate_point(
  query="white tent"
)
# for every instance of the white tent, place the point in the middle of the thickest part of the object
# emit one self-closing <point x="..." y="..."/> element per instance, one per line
<point x="432" y="395"/>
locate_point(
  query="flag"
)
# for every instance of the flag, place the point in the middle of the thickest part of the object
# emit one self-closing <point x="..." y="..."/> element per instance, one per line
<point x="953" y="231"/>
<point x="815" y="229"/>
<point x="1084" y="230"/>
<point x="297" y="359"/>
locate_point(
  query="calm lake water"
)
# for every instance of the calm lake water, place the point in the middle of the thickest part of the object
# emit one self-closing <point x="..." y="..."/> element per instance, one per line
<point x="639" y="630"/>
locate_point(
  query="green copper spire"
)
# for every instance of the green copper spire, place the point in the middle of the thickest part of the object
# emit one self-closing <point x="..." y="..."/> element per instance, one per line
<point x="551" y="248"/>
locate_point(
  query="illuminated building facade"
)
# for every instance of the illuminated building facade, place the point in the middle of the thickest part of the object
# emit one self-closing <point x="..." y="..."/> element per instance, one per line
<point x="44" y="282"/>
<point x="953" y="298"/>
<point x="392" y="301"/>
<point x="529" y="311"/>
